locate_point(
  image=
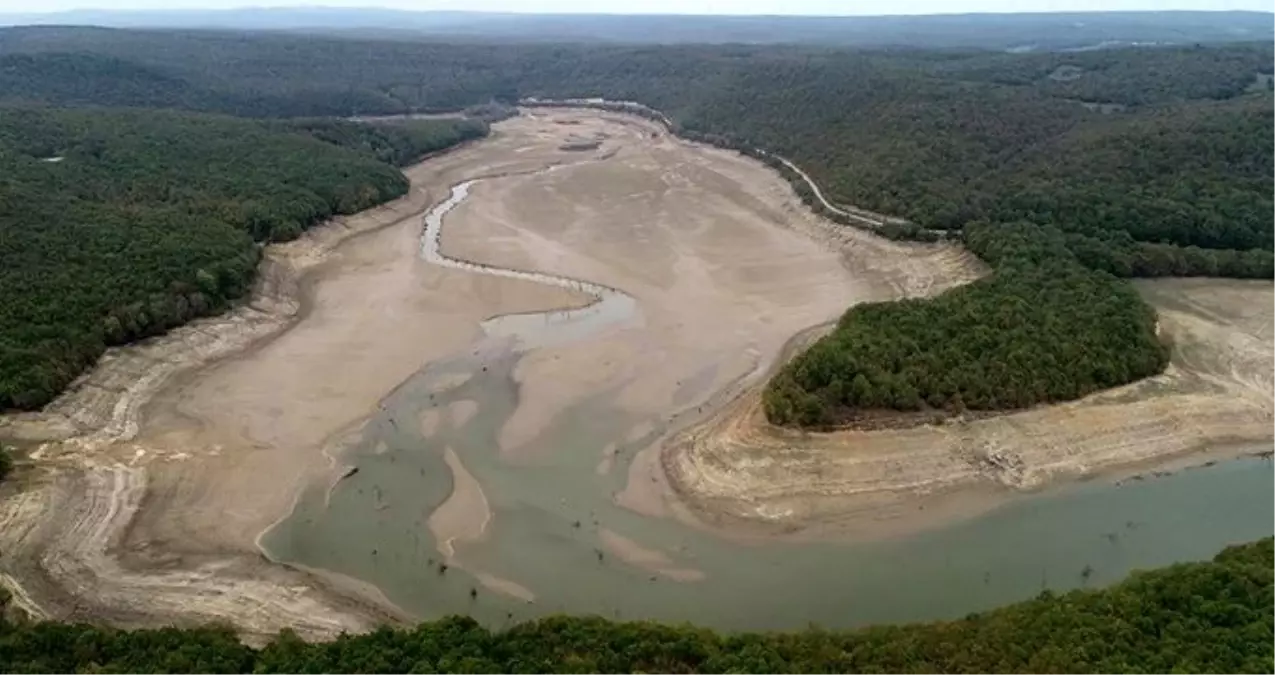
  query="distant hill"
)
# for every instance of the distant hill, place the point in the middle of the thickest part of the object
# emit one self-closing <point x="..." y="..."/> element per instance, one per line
<point x="1017" y="32"/>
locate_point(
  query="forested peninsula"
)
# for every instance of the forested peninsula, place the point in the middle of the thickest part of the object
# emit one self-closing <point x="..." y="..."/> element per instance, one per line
<point x="121" y="224"/>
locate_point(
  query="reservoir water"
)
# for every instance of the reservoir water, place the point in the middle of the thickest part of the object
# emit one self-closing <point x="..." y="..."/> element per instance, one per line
<point x="549" y="515"/>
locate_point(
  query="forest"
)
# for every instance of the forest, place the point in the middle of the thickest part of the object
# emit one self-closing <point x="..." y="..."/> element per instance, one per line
<point x="1058" y="331"/>
<point x="1134" y="162"/>
<point x="1213" y="616"/>
<point x="121" y="224"/>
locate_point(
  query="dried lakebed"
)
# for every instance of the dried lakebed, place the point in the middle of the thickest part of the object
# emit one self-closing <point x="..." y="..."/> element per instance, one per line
<point x="456" y="423"/>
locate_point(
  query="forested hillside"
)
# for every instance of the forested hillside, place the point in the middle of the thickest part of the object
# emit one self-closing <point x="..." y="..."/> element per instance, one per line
<point x="1128" y="162"/>
<point x="1194" y="617"/>
<point x="119" y="224"/>
<point x="1052" y="30"/>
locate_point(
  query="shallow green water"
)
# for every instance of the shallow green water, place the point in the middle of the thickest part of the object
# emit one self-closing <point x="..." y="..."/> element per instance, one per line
<point x="547" y="510"/>
<point x="372" y="526"/>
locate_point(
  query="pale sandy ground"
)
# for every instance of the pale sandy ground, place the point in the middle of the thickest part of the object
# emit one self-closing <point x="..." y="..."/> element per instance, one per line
<point x="726" y="287"/>
<point x="162" y="466"/>
<point x="648" y="559"/>
<point x="463" y="517"/>
<point x="725" y="263"/>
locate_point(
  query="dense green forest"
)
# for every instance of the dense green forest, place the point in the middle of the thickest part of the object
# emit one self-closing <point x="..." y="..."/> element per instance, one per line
<point x="1191" y="617"/>
<point x="1121" y="162"/>
<point x="397" y="142"/>
<point x="119" y="224"/>
<point x="1057" y="331"/>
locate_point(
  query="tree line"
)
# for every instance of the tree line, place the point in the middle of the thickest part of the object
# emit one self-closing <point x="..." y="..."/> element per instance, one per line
<point x="121" y="224"/>
<point x="1213" y="616"/>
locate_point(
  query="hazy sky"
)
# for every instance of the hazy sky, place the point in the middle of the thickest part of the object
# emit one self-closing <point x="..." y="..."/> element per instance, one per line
<point x="824" y="7"/>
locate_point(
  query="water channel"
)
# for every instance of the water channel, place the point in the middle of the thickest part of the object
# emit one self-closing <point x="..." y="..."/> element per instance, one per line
<point x="549" y="512"/>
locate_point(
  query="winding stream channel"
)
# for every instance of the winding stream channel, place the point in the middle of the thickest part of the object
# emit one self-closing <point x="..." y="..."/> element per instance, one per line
<point x="532" y="329"/>
<point x="547" y="543"/>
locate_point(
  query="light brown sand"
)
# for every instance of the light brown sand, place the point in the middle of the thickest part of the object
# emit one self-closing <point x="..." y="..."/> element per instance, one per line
<point x="648" y="559"/>
<point x="501" y="585"/>
<point x="464" y="517"/>
<point x="461" y="412"/>
<point x="379" y="315"/>
<point x="725" y="263"/>
<point x="429" y="419"/>
<point x="449" y="381"/>
<point x="608" y="459"/>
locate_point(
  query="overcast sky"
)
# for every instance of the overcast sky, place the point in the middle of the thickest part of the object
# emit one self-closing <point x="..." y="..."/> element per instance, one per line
<point x="822" y="7"/>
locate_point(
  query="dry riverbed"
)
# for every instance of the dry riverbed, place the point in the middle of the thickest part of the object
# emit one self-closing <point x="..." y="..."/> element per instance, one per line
<point x="153" y="478"/>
